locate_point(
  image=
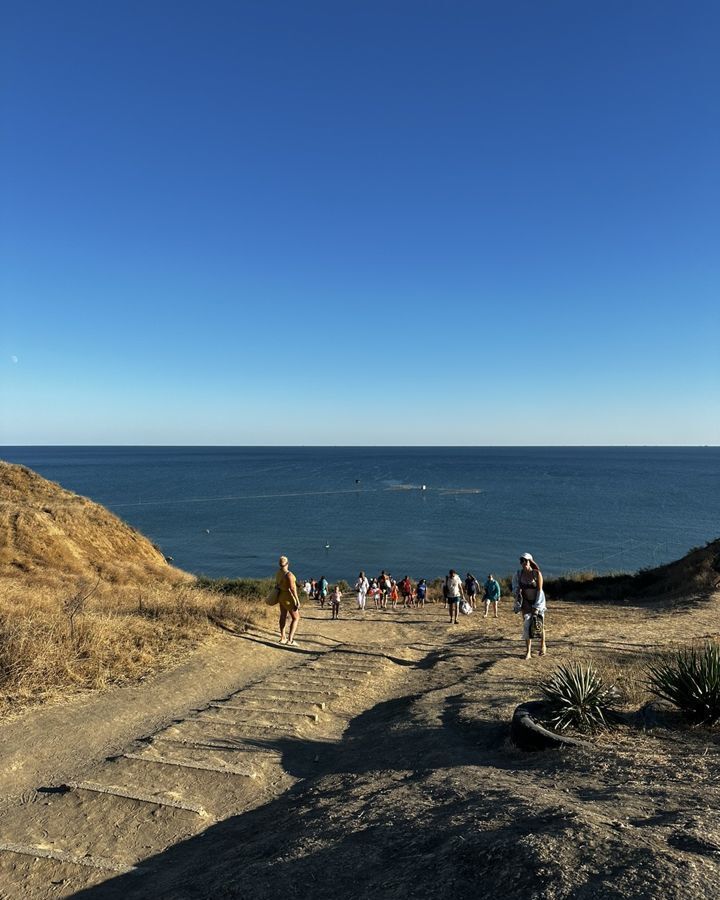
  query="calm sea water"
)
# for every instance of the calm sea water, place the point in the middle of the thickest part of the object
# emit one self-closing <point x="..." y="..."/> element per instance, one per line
<point x="231" y="511"/>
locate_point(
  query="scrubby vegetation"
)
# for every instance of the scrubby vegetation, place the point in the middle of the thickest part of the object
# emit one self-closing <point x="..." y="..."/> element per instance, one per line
<point x="693" y="576"/>
<point x="577" y="697"/>
<point x="56" y="637"/>
<point x="690" y="680"/>
<point x="86" y="601"/>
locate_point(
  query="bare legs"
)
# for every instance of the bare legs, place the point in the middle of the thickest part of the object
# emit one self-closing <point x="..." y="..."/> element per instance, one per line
<point x="528" y="647"/>
<point x="294" y="615"/>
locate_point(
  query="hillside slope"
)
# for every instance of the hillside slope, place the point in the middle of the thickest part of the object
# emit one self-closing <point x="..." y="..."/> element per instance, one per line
<point x="47" y="529"/>
<point x="692" y="577"/>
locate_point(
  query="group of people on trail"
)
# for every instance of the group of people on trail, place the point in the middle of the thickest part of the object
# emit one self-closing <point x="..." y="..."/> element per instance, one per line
<point x="456" y="592"/>
<point x="384" y="590"/>
<point x="317" y="590"/>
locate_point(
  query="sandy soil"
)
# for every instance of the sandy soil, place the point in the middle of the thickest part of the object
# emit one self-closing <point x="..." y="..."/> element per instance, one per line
<point x="373" y="760"/>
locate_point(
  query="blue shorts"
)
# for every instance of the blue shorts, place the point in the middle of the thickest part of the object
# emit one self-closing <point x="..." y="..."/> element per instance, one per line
<point x="453" y="599"/>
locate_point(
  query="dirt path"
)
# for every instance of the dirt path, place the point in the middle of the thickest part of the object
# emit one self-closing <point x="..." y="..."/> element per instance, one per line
<point x="372" y="761"/>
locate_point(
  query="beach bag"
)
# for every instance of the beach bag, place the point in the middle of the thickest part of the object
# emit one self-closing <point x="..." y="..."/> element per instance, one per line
<point x="465" y="608"/>
<point x="536" y="625"/>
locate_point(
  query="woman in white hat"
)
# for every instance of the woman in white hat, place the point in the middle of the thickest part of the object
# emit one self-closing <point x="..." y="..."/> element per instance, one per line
<point x="530" y="601"/>
<point x="287" y="600"/>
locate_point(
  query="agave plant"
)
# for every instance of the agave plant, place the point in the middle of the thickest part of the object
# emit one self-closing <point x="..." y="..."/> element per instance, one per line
<point x="690" y="680"/>
<point x="577" y="696"/>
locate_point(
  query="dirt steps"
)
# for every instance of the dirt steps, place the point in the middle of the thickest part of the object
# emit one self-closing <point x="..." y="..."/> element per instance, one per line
<point x="220" y="760"/>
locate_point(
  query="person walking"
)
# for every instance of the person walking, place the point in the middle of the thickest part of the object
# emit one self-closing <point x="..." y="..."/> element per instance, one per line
<point x="421" y="592"/>
<point x="385" y="582"/>
<point x="362" y="586"/>
<point x="335" y="598"/>
<point x="471" y="588"/>
<point x="455" y="593"/>
<point x="322" y="591"/>
<point x="394" y="593"/>
<point x="530" y="601"/>
<point x="406" y="589"/>
<point x="286" y="587"/>
<point x="492" y="594"/>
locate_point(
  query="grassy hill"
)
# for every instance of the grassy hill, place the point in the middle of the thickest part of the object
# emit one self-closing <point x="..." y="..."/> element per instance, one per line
<point x="684" y="580"/>
<point x="87" y="601"/>
<point x="46" y="529"/>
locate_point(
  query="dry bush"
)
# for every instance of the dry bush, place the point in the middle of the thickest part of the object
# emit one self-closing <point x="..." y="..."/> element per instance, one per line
<point x="86" y="601"/>
<point x="694" y="576"/>
<point x="63" y="635"/>
<point x="629" y="676"/>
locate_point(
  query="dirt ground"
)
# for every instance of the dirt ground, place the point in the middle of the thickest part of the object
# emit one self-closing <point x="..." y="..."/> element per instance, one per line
<point x="371" y="760"/>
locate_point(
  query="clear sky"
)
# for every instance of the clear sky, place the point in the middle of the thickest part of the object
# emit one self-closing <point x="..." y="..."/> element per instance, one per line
<point x="360" y="222"/>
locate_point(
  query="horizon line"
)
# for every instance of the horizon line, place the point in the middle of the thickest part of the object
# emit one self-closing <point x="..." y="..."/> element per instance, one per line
<point x="382" y="446"/>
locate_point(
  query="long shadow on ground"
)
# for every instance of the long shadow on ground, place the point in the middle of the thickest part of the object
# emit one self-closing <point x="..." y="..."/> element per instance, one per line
<point x="411" y="804"/>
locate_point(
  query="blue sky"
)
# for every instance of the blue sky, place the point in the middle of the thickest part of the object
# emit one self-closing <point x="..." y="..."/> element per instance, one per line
<point x="360" y="223"/>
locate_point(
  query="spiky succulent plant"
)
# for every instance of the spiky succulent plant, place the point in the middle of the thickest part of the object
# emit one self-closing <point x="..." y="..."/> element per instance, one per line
<point x="578" y="698"/>
<point x="690" y="680"/>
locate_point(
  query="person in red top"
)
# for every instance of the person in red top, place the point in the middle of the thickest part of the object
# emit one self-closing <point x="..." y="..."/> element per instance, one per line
<point x="406" y="589"/>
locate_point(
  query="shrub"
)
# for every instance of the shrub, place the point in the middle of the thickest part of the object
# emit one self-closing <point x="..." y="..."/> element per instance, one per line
<point x="577" y="696"/>
<point x="248" y="588"/>
<point x="690" y="680"/>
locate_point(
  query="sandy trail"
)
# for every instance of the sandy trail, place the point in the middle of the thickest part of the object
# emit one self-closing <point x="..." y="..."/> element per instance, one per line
<point x="371" y="760"/>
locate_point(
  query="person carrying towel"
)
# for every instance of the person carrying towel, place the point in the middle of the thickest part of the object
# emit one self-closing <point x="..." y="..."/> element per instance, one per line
<point x="287" y="600"/>
<point x="530" y="601"/>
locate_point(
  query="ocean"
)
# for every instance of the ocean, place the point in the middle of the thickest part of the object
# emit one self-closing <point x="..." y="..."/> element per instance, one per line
<point x="231" y="511"/>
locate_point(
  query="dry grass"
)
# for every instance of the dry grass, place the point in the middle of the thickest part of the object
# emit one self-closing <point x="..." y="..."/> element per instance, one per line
<point x="86" y="601"/>
<point x="63" y="637"/>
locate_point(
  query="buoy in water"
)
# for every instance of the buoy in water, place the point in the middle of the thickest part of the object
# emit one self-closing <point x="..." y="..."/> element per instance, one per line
<point x="423" y="487"/>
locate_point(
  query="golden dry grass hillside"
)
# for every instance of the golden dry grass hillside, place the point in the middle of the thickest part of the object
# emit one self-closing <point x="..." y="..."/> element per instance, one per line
<point x="86" y="601"/>
<point x="45" y="529"/>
